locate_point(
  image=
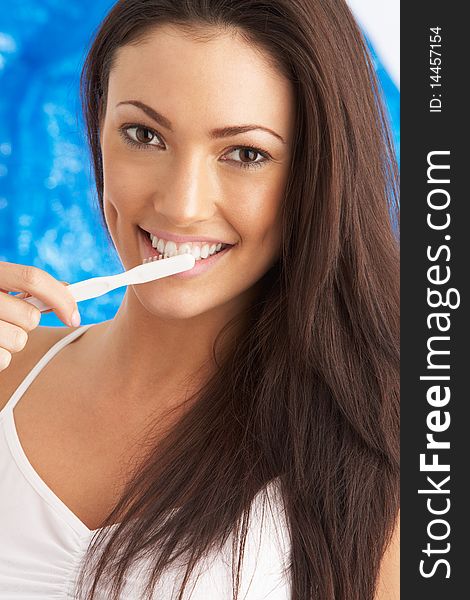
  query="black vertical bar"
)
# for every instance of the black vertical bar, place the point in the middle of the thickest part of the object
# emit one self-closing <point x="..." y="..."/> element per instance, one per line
<point x="435" y="129"/>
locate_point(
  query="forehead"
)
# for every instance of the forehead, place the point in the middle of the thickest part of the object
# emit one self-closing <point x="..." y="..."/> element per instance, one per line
<point x="224" y="79"/>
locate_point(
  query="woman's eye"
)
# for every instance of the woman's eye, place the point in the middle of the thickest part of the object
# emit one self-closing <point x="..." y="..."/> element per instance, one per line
<point x="139" y="136"/>
<point x="247" y="157"/>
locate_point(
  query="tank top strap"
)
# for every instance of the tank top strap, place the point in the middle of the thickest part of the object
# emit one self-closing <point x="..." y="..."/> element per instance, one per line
<point x="42" y="362"/>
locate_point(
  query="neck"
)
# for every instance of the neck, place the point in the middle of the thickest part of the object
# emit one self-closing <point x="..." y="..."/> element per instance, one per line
<point x="148" y="361"/>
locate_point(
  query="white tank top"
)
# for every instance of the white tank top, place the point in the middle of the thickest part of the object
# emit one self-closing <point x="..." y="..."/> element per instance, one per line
<point x="42" y="541"/>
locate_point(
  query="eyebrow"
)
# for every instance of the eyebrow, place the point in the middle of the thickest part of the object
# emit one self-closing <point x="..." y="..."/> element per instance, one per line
<point x="219" y="132"/>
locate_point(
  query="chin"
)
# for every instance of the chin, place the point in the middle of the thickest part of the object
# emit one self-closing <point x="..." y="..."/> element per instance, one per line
<point x="175" y="308"/>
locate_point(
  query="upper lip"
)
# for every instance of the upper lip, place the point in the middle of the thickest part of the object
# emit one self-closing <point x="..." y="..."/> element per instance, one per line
<point x="184" y="238"/>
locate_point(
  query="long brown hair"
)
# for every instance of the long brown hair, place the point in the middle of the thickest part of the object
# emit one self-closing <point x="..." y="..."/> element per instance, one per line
<point x="308" y="395"/>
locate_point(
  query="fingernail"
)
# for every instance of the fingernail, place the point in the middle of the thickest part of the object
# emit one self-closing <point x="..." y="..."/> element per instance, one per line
<point x="75" y="320"/>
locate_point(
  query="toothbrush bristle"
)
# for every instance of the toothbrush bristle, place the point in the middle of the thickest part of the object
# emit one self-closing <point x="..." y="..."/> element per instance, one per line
<point x="153" y="258"/>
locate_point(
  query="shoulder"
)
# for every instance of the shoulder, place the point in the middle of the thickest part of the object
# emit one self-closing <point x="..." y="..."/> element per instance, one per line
<point x="39" y="341"/>
<point x="388" y="586"/>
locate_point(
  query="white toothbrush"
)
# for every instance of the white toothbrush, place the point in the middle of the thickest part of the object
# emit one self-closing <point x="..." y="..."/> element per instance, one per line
<point x="97" y="286"/>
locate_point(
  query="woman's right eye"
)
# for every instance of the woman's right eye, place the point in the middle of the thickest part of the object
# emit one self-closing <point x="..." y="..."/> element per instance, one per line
<point x="140" y="138"/>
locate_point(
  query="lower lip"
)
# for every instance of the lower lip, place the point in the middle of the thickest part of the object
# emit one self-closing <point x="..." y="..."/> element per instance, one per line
<point x="200" y="266"/>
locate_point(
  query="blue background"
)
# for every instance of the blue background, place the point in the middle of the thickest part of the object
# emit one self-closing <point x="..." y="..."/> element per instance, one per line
<point x="49" y="214"/>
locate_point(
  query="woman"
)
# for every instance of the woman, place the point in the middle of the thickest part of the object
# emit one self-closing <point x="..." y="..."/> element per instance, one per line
<point x="265" y="382"/>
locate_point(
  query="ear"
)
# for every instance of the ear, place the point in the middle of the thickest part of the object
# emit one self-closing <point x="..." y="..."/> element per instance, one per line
<point x="388" y="583"/>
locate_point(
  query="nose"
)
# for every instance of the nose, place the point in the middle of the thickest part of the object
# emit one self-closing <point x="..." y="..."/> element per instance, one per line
<point x="188" y="192"/>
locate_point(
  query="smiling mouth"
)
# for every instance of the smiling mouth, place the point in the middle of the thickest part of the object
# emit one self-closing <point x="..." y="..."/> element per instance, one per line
<point x="168" y="248"/>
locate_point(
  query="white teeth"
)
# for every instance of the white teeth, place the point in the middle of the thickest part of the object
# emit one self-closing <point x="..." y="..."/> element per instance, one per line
<point x="184" y="249"/>
<point x="170" y="248"/>
<point x="199" y="250"/>
<point x="196" y="252"/>
<point x="160" y="246"/>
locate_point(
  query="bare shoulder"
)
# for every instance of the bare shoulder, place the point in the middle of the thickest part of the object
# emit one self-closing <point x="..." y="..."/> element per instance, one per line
<point x="389" y="577"/>
<point x="40" y="340"/>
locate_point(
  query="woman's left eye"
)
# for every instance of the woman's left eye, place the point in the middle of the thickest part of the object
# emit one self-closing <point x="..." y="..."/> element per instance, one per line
<point x="247" y="154"/>
<point x="140" y="138"/>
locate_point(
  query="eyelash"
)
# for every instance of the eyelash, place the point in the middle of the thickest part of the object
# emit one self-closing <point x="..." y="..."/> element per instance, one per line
<point x="140" y="146"/>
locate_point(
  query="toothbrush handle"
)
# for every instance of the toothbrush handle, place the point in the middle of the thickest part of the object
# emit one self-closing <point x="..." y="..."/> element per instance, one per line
<point x="37" y="303"/>
<point x="81" y="290"/>
<point x="97" y="286"/>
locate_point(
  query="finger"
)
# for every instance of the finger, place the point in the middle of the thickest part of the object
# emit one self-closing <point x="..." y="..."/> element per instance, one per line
<point x="45" y="312"/>
<point x="38" y="283"/>
<point x="12" y="337"/>
<point x="13" y="310"/>
<point x="5" y="359"/>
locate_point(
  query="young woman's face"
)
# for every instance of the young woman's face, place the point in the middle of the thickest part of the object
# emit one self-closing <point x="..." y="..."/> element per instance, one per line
<point x="196" y="144"/>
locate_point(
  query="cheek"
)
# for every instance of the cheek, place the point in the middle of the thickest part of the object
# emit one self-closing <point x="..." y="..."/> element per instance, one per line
<point x="255" y="211"/>
<point x="126" y="185"/>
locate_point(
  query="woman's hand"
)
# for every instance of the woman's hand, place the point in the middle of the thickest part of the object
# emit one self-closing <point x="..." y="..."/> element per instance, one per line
<point x="18" y="318"/>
